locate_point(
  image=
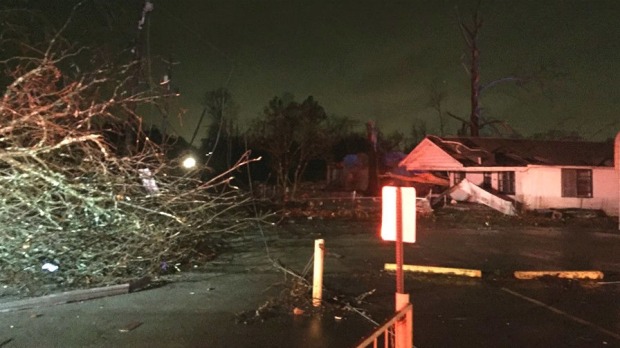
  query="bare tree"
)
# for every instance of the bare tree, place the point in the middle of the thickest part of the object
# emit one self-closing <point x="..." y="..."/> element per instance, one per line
<point x="292" y="134"/>
<point x="471" y="35"/>
<point x="221" y="109"/>
<point x="435" y="101"/>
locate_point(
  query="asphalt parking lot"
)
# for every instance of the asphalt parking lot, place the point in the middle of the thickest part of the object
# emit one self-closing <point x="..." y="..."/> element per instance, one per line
<point x="203" y="309"/>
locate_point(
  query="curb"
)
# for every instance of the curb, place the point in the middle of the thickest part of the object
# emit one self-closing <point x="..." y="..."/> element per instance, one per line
<point x="593" y="275"/>
<point x="474" y="273"/>
<point x="64" y="297"/>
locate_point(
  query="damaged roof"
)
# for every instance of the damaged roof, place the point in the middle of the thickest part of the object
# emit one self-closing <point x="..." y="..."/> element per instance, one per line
<point x="489" y="152"/>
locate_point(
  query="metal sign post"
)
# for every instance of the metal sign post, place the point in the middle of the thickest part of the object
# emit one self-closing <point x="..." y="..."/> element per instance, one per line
<point x="400" y="279"/>
<point x="617" y="167"/>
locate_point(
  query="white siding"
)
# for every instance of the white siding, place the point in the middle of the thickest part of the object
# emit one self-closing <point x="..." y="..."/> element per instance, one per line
<point x="428" y="156"/>
<point x="541" y="188"/>
<point x="537" y="187"/>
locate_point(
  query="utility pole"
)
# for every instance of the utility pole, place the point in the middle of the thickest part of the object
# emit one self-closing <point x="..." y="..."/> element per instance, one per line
<point x="166" y="83"/>
<point x="373" y="185"/>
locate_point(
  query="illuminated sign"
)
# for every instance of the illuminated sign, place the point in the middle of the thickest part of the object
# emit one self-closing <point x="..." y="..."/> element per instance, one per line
<point x="398" y="203"/>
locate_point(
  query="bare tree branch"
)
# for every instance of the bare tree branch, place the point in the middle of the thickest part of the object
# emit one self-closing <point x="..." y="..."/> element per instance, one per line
<point x="70" y="196"/>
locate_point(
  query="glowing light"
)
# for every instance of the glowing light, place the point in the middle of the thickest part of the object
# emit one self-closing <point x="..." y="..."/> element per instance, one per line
<point x="189" y="162"/>
<point x="389" y="213"/>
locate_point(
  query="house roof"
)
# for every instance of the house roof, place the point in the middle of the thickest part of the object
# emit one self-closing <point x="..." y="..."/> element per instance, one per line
<point x="489" y="152"/>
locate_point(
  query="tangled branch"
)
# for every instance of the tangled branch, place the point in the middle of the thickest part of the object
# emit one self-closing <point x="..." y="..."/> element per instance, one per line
<point x="69" y="198"/>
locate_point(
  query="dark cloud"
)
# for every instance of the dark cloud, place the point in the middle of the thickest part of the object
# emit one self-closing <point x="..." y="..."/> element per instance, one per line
<point x="376" y="59"/>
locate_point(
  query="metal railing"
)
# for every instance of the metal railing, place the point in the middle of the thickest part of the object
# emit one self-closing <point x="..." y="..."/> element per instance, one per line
<point x="385" y="334"/>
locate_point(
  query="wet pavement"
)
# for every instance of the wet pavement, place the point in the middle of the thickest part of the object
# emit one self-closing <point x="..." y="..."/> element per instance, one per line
<point x="203" y="308"/>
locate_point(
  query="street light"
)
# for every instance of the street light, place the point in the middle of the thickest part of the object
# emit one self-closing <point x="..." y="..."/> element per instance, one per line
<point x="189" y="162"/>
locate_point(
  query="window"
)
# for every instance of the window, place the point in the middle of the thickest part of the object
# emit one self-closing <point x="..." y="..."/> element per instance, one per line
<point x="506" y="183"/>
<point x="458" y="177"/>
<point x="577" y="183"/>
<point x="486" y="181"/>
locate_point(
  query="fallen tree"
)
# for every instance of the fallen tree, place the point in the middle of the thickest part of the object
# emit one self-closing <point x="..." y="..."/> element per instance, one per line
<point x="76" y="208"/>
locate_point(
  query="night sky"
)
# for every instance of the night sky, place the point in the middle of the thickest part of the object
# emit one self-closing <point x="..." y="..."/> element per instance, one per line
<point x="376" y="59"/>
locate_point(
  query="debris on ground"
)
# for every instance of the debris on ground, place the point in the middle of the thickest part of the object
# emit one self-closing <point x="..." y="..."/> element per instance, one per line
<point x="130" y="326"/>
<point x="6" y="341"/>
<point x="466" y="191"/>
<point x="296" y="298"/>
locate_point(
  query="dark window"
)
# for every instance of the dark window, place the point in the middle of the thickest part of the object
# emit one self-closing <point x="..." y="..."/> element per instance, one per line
<point x="506" y="183"/>
<point x="486" y="181"/>
<point x="458" y="177"/>
<point x="577" y="183"/>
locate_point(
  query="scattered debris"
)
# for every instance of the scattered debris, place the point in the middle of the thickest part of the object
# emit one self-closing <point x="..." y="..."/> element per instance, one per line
<point x="361" y="297"/>
<point x="423" y="178"/>
<point x="130" y="326"/>
<point x="50" y="267"/>
<point x="556" y="215"/>
<point x="608" y="283"/>
<point x="468" y="192"/>
<point x="5" y="342"/>
<point x="148" y="181"/>
<point x="423" y="206"/>
<point x="262" y="308"/>
<point x="333" y="254"/>
<point x="262" y="313"/>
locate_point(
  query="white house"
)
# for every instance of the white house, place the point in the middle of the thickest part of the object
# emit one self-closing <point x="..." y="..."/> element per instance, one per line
<point x="537" y="174"/>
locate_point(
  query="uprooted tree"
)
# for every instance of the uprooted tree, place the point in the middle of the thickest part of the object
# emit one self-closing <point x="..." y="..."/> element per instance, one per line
<point x="70" y="198"/>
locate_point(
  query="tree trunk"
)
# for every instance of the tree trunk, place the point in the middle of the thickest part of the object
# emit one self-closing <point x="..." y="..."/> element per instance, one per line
<point x="475" y="87"/>
<point x="470" y="34"/>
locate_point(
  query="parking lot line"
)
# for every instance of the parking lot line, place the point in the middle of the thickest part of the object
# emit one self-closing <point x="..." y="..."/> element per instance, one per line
<point x="562" y="313"/>
<point x="560" y="274"/>
<point x="474" y="273"/>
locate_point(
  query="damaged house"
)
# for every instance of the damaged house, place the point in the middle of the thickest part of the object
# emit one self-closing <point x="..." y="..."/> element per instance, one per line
<point x="532" y="174"/>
